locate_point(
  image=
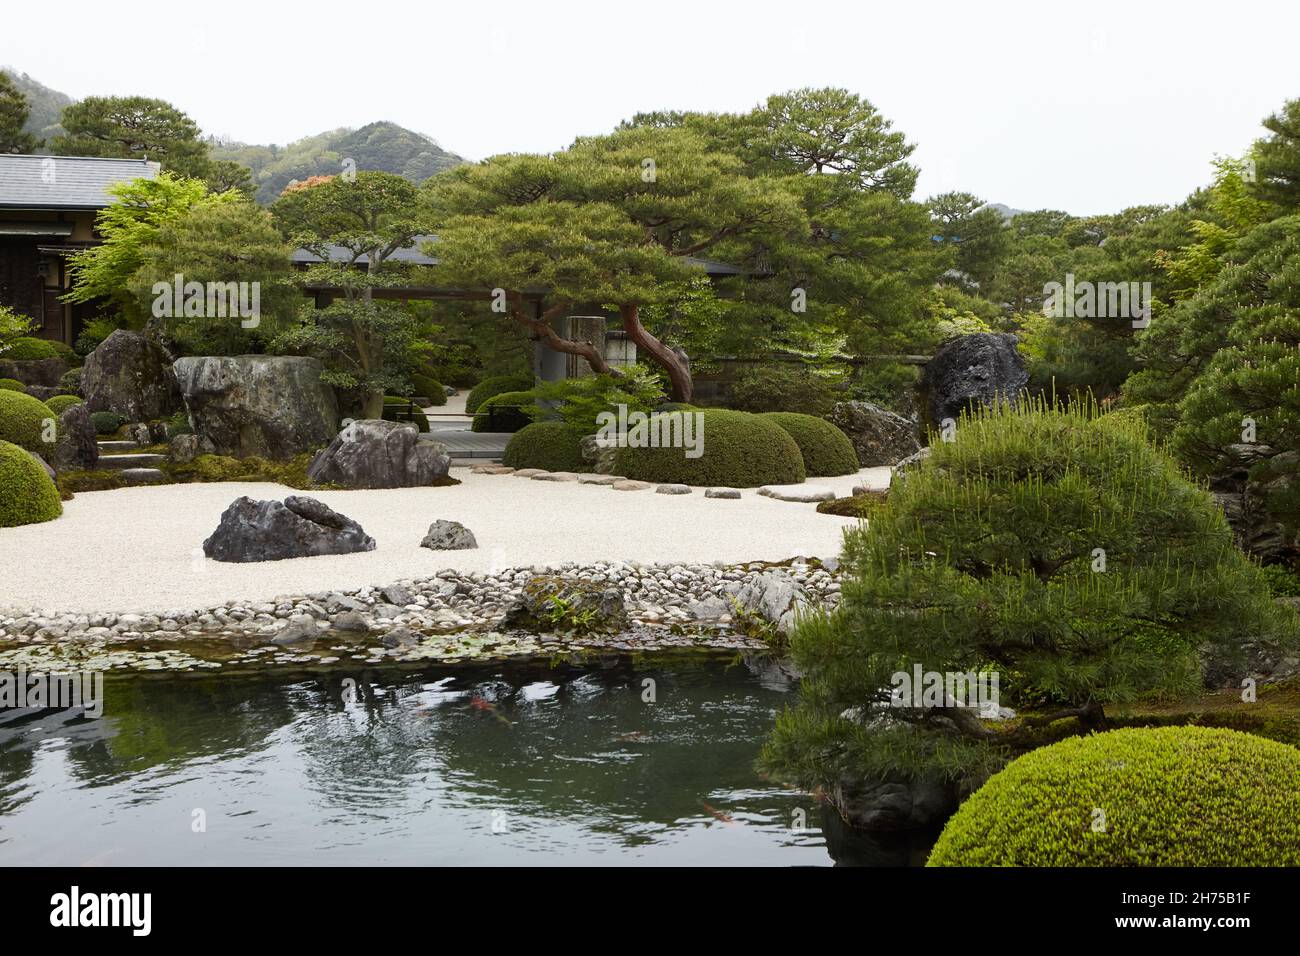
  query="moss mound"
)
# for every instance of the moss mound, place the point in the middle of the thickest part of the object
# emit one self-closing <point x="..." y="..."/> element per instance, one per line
<point x="495" y="385"/>
<point x="23" y="420"/>
<point x="12" y="385"/>
<point x="826" y="450"/>
<point x="31" y="350"/>
<point x="503" y="413"/>
<point x="554" y="446"/>
<point x="739" y="450"/>
<point x="430" y="388"/>
<point x="398" y="409"/>
<point x="1168" y="796"/>
<point x="61" y="403"/>
<point x="27" y="493"/>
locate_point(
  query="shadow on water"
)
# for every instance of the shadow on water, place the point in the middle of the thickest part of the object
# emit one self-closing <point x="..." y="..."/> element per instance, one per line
<point x="611" y="760"/>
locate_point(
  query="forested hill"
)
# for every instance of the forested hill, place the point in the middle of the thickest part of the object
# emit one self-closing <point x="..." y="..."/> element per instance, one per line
<point x="383" y="146"/>
<point x="46" y="104"/>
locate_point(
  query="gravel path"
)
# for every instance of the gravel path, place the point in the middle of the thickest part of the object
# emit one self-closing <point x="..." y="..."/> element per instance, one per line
<point x="139" y="549"/>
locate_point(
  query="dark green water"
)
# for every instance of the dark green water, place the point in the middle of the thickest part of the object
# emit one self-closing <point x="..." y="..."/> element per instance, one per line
<point x="514" y="764"/>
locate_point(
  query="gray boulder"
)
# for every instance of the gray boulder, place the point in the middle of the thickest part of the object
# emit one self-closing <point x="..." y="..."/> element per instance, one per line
<point x="38" y="373"/>
<point x="271" y="531"/>
<point x="876" y="805"/>
<point x="591" y="606"/>
<point x="77" y="448"/>
<point x="184" y="448"/>
<point x="449" y="536"/>
<point x="271" y="406"/>
<point x="776" y="597"/>
<point x="879" y="436"/>
<point x="378" y="454"/>
<point x="973" y="369"/>
<point x="132" y="376"/>
<point x="599" y="454"/>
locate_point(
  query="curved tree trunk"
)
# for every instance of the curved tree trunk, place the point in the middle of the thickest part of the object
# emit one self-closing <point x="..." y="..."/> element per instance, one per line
<point x="543" y="329"/>
<point x="682" y="388"/>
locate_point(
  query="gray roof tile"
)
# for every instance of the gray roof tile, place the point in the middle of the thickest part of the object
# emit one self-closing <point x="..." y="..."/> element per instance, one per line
<point x="65" y="182"/>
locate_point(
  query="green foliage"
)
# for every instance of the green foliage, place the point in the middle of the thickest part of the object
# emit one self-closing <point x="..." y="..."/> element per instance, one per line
<point x="75" y="482"/>
<point x="740" y="450"/>
<point x="27" y="495"/>
<point x="70" y="381"/>
<point x="1282" y="581"/>
<point x="1057" y="549"/>
<point x="133" y="127"/>
<point x="13" y="326"/>
<point x="495" y="385"/>
<point x="782" y="387"/>
<point x="25" y="421"/>
<point x="61" y="403"/>
<point x="399" y="409"/>
<point x="580" y="401"/>
<point x="107" y="423"/>
<point x="854" y="506"/>
<point x="507" y="412"/>
<point x="12" y="384"/>
<point x="14" y="112"/>
<point x="825" y="449"/>
<point x="93" y="333"/>
<point x="430" y="388"/>
<point x="209" y="468"/>
<point x="1171" y="796"/>
<point x="33" y="350"/>
<point x="553" y="446"/>
<point x="1277" y="158"/>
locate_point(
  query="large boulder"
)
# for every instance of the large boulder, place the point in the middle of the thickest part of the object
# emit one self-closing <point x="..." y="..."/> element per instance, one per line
<point x="271" y="531"/>
<point x="270" y="406"/>
<point x="879" y="436"/>
<point x="978" y="368"/>
<point x="132" y="376"/>
<point x="78" y="445"/>
<point x="376" y="454"/>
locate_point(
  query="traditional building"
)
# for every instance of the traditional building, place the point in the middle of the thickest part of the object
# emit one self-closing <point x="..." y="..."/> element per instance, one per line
<point x="47" y="211"/>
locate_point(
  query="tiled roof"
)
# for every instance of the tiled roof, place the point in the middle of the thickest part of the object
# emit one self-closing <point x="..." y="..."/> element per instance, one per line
<point x="65" y="182"/>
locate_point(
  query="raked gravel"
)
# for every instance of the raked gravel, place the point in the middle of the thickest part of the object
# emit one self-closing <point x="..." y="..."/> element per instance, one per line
<point x="140" y="549"/>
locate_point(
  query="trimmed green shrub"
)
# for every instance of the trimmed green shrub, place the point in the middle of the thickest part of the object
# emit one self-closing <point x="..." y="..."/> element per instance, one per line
<point x="554" y="446"/>
<point x="12" y="385"/>
<point x="1056" y="548"/>
<point x="1171" y="796"/>
<point x="71" y="381"/>
<point x="61" y="403"/>
<point x="781" y="387"/>
<point x="27" y="495"/>
<point x="854" y="506"/>
<point x="23" y="420"/>
<point x="398" y="409"/>
<point x="107" y="423"/>
<point x="75" y="482"/>
<point x="430" y="388"/>
<point x="739" y="451"/>
<point x="826" y="450"/>
<point x="507" y="412"/>
<point x="28" y="349"/>
<point x="495" y="385"/>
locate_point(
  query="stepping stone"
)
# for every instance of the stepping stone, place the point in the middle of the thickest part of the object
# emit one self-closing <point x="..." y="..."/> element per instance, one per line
<point x="143" y="476"/>
<point x="529" y="472"/>
<point x="597" y="479"/>
<point x="108" y="447"/>
<point x="673" y="490"/>
<point x="624" y="484"/>
<point x="556" y="476"/>
<point x="127" y="462"/>
<point x="491" y="470"/>
<point x="805" y="493"/>
<point x="722" y="493"/>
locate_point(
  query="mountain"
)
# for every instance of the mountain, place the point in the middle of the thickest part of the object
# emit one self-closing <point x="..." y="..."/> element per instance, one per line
<point x="1007" y="211"/>
<point x="381" y="146"/>
<point x="46" y="104"/>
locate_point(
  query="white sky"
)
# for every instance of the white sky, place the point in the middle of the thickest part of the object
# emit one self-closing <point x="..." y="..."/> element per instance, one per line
<point x="1082" y="106"/>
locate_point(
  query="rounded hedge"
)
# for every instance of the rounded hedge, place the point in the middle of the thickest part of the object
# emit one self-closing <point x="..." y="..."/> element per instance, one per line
<point x="396" y="404"/>
<point x="1167" y="796"/>
<point x="29" y="349"/>
<point x="107" y="423"/>
<point x="61" y="403"/>
<point x="27" y="494"/>
<point x="826" y="450"/>
<point x="430" y="388"/>
<point x="739" y="450"/>
<point x="23" y="420"/>
<point x="495" y="385"/>
<point x="12" y="385"/>
<point x="501" y="413"/>
<point x="554" y="446"/>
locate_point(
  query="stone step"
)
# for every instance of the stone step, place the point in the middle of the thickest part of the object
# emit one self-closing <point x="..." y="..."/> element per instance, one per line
<point x="107" y="447"/>
<point x="143" y="476"/>
<point x="147" y="460"/>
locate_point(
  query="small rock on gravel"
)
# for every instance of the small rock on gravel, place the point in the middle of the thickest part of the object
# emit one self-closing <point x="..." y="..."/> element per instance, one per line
<point x="673" y="490"/>
<point x="448" y="536"/>
<point x="722" y="493"/>
<point x="629" y="485"/>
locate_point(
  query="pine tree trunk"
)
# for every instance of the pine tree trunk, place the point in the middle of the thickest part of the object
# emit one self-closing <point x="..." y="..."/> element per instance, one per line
<point x="681" y="387"/>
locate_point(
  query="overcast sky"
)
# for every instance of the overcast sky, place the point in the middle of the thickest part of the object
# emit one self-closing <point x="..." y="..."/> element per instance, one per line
<point x="1082" y="106"/>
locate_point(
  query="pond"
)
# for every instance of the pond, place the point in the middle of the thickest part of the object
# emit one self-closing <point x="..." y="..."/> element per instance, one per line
<point x="616" y="760"/>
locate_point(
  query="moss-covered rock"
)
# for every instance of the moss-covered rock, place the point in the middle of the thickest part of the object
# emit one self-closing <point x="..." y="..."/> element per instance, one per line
<point x="1168" y="796"/>
<point x="27" y="494"/>
<point x="738" y="450"/>
<point x="826" y="450"/>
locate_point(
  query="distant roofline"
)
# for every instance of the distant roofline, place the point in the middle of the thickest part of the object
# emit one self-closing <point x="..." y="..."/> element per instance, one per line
<point x="147" y="167"/>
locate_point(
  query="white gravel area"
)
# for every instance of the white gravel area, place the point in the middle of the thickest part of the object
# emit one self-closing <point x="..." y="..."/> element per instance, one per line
<point x="140" y="549"/>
